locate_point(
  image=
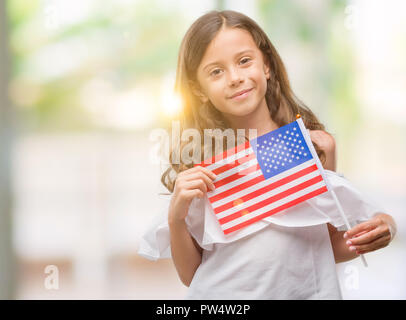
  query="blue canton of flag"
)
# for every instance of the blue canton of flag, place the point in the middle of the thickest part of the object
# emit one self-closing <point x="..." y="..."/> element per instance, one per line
<point x="281" y="149"/>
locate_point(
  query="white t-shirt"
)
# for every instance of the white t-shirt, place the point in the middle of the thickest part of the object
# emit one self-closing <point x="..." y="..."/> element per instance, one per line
<point x="284" y="256"/>
<point x="274" y="263"/>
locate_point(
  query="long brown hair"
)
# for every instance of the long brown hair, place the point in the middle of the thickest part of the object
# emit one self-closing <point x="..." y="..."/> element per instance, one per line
<point x="283" y="105"/>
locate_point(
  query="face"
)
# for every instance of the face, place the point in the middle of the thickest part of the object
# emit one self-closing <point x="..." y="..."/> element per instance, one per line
<point x="233" y="74"/>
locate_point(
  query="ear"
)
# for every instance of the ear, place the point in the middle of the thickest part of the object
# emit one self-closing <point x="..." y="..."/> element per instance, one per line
<point x="267" y="71"/>
<point x="198" y="92"/>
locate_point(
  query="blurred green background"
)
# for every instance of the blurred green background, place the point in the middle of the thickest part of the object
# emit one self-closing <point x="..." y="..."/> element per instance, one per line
<point x="83" y="85"/>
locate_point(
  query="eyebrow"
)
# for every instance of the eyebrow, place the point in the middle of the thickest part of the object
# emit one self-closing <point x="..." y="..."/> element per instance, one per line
<point x="239" y="53"/>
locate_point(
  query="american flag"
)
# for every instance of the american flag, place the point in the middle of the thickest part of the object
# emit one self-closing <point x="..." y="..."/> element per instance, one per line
<point x="264" y="176"/>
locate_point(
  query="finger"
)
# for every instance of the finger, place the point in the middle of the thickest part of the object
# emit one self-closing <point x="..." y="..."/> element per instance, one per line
<point x="190" y="194"/>
<point x="377" y="248"/>
<point x="195" y="184"/>
<point x="207" y="172"/>
<point x="365" y="226"/>
<point x="202" y="176"/>
<point x="372" y="246"/>
<point x="366" y="237"/>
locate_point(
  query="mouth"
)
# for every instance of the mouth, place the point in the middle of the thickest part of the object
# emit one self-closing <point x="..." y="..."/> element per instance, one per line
<point x="241" y="94"/>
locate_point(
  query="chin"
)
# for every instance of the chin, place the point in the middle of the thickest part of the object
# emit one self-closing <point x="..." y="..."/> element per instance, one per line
<point x="241" y="111"/>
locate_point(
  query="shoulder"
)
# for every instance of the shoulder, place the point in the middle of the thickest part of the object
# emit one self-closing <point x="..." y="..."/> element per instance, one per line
<point x="323" y="139"/>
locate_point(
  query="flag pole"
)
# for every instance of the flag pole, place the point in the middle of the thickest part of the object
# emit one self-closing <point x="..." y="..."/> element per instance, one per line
<point x="346" y="221"/>
<point x="340" y="209"/>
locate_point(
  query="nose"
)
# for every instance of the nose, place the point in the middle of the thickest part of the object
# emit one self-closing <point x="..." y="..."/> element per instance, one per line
<point x="235" y="77"/>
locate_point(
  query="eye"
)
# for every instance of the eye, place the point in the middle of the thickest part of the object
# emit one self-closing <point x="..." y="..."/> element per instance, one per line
<point x="214" y="72"/>
<point x="245" y="59"/>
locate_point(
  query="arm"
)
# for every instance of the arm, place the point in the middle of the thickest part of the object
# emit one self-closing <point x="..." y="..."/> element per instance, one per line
<point x="186" y="254"/>
<point x="338" y="243"/>
<point x="368" y="236"/>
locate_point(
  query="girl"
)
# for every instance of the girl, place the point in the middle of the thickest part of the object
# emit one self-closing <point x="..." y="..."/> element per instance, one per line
<point x="229" y="75"/>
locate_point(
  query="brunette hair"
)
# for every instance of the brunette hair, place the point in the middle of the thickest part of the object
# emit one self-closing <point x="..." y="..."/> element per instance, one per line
<point x="283" y="105"/>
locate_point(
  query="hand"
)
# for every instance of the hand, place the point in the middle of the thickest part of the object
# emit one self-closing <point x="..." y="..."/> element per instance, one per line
<point x="371" y="235"/>
<point x="191" y="183"/>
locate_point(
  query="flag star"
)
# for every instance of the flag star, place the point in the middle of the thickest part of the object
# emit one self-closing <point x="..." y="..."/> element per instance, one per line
<point x="287" y="131"/>
<point x="290" y="160"/>
<point x="279" y="135"/>
<point x="300" y="152"/>
<point x="284" y="148"/>
<point x="273" y="161"/>
<point x="287" y="143"/>
<point x="257" y="145"/>
<point x="284" y="137"/>
<point x="294" y="140"/>
<point x="290" y="138"/>
<point x="297" y="134"/>
<point x="265" y="141"/>
<point x="262" y="147"/>
<point x="290" y="149"/>
<point x="277" y="140"/>
<point x="276" y="167"/>
<point x="285" y="159"/>
<point x="294" y="129"/>
<point x="267" y="170"/>
<point x="267" y="159"/>
<point x="302" y="148"/>
<point x="305" y="154"/>
<point x="280" y="157"/>
<point x="277" y="151"/>
<point x="264" y="152"/>
<point x="272" y="149"/>
<point x="283" y="164"/>
<point x="283" y="152"/>
<point x="274" y="156"/>
<point x="271" y="138"/>
<point x="267" y="148"/>
<point x="265" y="164"/>
<point x="297" y="157"/>
<point x="260" y="151"/>
<point x="300" y="141"/>
<point x="263" y="158"/>
<point x="297" y="146"/>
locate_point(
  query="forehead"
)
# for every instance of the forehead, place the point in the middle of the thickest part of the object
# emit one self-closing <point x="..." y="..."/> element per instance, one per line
<point x="227" y="43"/>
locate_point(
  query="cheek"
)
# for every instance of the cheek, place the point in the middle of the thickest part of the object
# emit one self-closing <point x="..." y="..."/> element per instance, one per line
<point x="216" y="92"/>
<point x="262" y="83"/>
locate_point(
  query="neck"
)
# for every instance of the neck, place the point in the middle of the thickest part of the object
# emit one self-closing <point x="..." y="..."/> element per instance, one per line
<point x="260" y="119"/>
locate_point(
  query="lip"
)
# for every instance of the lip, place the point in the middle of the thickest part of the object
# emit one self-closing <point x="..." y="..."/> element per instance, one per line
<point x="240" y="93"/>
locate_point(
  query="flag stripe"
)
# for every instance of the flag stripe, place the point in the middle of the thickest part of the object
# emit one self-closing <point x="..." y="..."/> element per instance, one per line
<point x="250" y="215"/>
<point x="236" y="169"/>
<point x="265" y="189"/>
<point x="215" y="195"/>
<point x="237" y="188"/>
<point x="243" y="205"/>
<point x="226" y="154"/>
<point x="272" y="199"/>
<point x="234" y="164"/>
<point x="237" y="175"/>
<point x="273" y="211"/>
